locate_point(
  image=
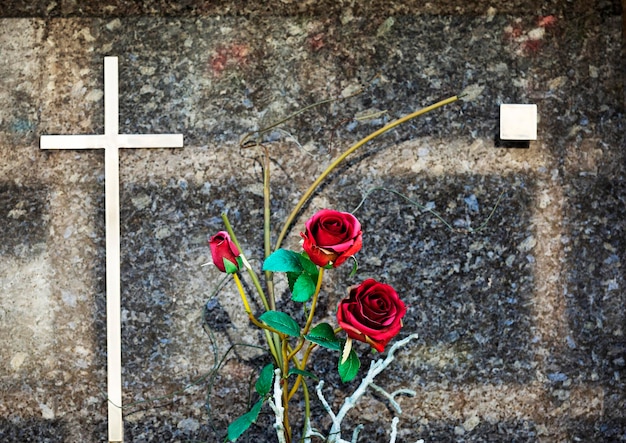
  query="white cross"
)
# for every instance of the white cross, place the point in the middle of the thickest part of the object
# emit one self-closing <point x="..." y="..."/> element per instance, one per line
<point x="111" y="142"/>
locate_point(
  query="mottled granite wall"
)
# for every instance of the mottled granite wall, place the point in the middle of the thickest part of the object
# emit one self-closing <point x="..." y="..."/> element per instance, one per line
<point x="521" y="323"/>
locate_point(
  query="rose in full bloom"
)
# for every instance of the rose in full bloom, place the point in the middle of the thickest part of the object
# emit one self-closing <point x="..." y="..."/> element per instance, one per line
<point x="331" y="237"/>
<point x="372" y="313"/>
<point x="223" y="249"/>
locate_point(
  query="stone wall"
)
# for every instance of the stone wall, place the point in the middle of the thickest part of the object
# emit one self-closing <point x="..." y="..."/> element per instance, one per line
<point x="519" y="303"/>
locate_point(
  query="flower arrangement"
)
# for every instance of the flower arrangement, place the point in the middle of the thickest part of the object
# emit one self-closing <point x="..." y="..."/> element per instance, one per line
<point x="371" y="313"/>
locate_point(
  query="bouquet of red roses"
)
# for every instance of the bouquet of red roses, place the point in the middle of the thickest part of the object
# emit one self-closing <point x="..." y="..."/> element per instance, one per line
<point x="371" y="313"/>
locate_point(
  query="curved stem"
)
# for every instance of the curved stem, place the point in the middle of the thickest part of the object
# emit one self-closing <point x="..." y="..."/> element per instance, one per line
<point x="318" y="287"/>
<point x="267" y="243"/>
<point x="305" y="197"/>
<point x="244" y="141"/>
<point x="309" y="321"/>
<point x="301" y="366"/>
<point x="267" y="240"/>
<point x="285" y="388"/>
<point x="246" y="307"/>
<point x="273" y="339"/>
<point x="307" y="411"/>
<point x="253" y="276"/>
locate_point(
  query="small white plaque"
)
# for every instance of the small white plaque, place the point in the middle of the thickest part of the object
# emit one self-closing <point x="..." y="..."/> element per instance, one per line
<point x="518" y="122"/>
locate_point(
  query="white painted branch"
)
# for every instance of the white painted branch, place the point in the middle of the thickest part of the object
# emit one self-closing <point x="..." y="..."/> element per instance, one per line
<point x="309" y="433"/>
<point x="356" y="432"/>
<point x="334" y="436"/>
<point x="394" y="430"/>
<point x="391" y="397"/>
<point x="277" y="407"/>
<point x="325" y="404"/>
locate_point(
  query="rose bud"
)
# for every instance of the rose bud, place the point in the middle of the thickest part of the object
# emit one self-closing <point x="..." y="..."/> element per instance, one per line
<point x="372" y="313"/>
<point x="224" y="252"/>
<point x="332" y="237"/>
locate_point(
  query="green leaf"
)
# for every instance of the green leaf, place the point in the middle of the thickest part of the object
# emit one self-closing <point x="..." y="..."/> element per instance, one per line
<point x="349" y="368"/>
<point x="264" y="383"/>
<point x="308" y="265"/>
<point x="291" y="279"/>
<point x="297" y="371"/>
<point x="324" y="336"/>
<point x="230" y="267"/>
<point x="355" y="267"/>
<point x="242" y="262"/>
<point x="283" y="260"/>
<point x="239" y="426"/>
<point x="281" y="322"/>
<point x="303" y="288"/>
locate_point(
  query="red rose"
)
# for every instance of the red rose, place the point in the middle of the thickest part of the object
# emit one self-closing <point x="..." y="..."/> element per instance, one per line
<point x="332" y="237"/>
<point x="223" y="249"/>
<point x="372" y="313"/>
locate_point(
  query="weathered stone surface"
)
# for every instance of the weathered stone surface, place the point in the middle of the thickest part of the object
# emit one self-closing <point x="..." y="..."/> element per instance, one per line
<point x="519" y="302"/>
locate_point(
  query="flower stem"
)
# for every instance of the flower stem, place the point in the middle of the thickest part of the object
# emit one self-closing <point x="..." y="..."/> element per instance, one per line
<point x="253" y="276"/>
<point x="245" y="141"/>
<point x="301" y="366"/>
<point x="309" y="321"/>
<point x="305" y="197"/>
<point x="273" y="340"/>
<point x="285" y="389"/>
<point x="318" y="287"/>
<point x="267" y="240"/>
<point x="307" y="411"/>
<point x="253" y="319"/>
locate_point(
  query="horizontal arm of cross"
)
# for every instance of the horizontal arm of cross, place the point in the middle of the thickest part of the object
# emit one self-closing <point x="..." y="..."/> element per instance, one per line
<point x="111" y="141"/>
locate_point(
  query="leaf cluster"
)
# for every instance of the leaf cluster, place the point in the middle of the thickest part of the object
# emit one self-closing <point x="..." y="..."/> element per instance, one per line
<point x="302" y="273"/>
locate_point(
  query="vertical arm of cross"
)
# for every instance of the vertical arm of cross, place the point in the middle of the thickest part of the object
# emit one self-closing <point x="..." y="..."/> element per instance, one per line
<point x="111" y="141"/>
<point x="113" y="262"/>
<point x="111" y="100"/>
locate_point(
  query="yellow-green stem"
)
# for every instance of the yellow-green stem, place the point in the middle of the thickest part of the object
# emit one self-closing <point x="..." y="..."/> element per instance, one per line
<point x="285" y="386"/>
<point x="309" y="321"/>
<point x="267" y="237"/>
<point x="267" y="240"/>
<point x="307" y="405"/>
<point x="244" y="141"/>
<point x="301" y="366"/>
<point x="318" y="287"/>
<point x="273" y="340"/>
<point x="251" y="273"/>
<point x="246" y="306"/>
<point x="305" y="197"/>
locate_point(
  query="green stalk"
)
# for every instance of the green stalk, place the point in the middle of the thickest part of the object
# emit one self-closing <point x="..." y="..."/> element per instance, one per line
<point x="305" y="197"/>
<point x="251" y="273"/>
<point x="307" y="407"/>
<point x="246" y="306"/>
<point x="285" y="389"/>
<point x="267" y="244"/>
<point x="273" y="340"/>
<point x="318" y="288"/>
<point x="267" y="227"/>
<point x="309" y="321"/>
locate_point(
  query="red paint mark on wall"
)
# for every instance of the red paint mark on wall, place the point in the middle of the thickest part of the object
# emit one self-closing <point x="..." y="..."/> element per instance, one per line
<point x="528" y="41"/>
<point x="546" y="21"/>
<point x="316" y="42"/>
<point x="531" y="46"/>
<point x="235" y="54"/>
